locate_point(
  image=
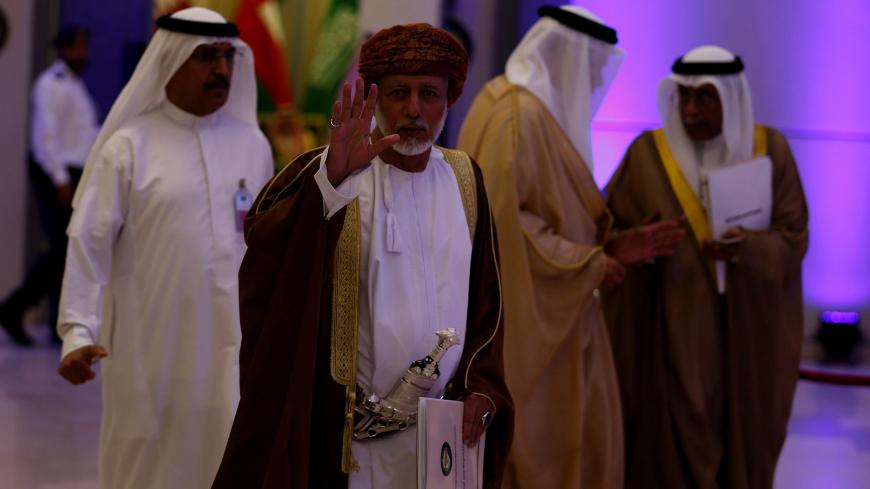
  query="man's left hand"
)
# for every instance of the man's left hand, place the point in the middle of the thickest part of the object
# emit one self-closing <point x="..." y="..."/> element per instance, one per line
<point x="614" y="273"/>
<point x="726" y="248"/>
<point x="474" y="409"/>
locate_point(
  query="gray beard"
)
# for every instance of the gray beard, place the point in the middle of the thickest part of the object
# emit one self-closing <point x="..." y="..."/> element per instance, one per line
<point x="413" y="146"/>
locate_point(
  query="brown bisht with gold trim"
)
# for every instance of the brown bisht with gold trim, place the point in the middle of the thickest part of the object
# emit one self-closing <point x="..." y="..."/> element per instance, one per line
<point x="298" y="356"/>
<point x="706" y="381"/>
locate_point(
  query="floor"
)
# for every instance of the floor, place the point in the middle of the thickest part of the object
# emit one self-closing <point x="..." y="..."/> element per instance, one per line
<point x="828" y="444"/>
<point x="49" y="429"/>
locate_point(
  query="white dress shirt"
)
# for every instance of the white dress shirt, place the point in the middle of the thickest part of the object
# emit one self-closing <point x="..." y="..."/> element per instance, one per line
<point x="64" y="122"/>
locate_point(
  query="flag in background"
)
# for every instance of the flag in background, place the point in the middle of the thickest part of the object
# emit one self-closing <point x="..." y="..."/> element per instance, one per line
<point x="260" y="25"/>
<point x="334" y="49"/>
<point x="302" y="22"/>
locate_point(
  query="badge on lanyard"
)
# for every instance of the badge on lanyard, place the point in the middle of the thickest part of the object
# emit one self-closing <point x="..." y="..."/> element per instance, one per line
<point x="242" y="202"/>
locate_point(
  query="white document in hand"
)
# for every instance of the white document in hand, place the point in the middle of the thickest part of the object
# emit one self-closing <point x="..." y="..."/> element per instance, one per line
<point x="443" y="460"/>
<point x="739" y="195"/>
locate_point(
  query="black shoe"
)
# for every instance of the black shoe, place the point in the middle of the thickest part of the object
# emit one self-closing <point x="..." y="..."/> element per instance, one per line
<point x="13" y="327"/>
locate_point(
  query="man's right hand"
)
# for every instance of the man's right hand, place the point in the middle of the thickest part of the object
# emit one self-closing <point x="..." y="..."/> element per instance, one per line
<point x="728" y="247"/>
<point x="647" y="241"/>
<point x="350" y="145"/>
<point x="76" y="365"/>
<point x="65" y="195"/>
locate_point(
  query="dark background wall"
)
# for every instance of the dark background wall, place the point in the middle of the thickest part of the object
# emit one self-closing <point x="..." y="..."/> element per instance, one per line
<point x="119" y="30"/>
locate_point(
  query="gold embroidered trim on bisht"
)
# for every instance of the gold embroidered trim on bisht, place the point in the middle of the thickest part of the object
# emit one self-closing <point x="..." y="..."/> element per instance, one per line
<point x="460" y="162"/>
<point x="345" y="322"/>
<point x="345" y="294"/>
<point x="692" y="206"/>
<point x="760" y="143"/>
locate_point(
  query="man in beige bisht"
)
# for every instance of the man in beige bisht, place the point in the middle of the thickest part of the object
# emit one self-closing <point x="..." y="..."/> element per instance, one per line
<point x="530" y="130"/>
<point x="707" y="379"/>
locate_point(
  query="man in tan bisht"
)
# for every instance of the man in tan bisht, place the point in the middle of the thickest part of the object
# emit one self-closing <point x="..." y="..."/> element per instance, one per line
<point x="357" y="254"/>
<point x="707" y="379"/>
<point x="529" y="129"/>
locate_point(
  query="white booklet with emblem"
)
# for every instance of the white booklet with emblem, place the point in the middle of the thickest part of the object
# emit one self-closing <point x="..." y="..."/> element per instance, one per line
<point x="739" y="195"/>
<point x="443" y="460"/>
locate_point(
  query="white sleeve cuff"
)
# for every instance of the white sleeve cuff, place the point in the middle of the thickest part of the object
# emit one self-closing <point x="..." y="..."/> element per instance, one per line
<point x="334" y="199"/>
<point x="60" y="176"/>
<point x="74" y="337"/>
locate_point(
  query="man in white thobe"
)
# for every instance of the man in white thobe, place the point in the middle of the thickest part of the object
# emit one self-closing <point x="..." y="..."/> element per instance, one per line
<point x="155" y="245"/>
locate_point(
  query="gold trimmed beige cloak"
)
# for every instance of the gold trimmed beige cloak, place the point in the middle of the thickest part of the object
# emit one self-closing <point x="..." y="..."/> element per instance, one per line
<point x="550" y="220"/>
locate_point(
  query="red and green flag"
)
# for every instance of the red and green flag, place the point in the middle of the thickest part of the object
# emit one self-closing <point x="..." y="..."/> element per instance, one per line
<point x="262" y="29"/>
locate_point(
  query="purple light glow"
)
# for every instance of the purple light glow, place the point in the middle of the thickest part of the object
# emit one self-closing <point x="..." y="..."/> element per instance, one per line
<point x="809" y="76"/>
<point x="840" y="317"/>
<point x="837" y="267"/>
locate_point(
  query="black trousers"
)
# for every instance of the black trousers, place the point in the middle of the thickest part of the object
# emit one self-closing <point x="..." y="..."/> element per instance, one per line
<point x="46" y="275"/>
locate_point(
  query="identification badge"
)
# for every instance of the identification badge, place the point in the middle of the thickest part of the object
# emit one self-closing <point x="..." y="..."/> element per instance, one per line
<point x="242" y="202"/>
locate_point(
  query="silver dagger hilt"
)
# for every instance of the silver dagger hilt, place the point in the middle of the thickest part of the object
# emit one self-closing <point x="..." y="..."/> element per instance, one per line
<point x="398" y="410"/>
<point x="446" y="339"/>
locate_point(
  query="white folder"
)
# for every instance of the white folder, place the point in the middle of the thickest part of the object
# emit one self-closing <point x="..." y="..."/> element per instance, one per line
<point x="443" y="460"/>
<point x="739" y="195"/>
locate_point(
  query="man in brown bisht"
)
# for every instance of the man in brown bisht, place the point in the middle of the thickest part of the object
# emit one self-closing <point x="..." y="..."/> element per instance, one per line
<point x="357" y="254"/>
<point x="530" y="130"/>
<point x="706" y="378"/>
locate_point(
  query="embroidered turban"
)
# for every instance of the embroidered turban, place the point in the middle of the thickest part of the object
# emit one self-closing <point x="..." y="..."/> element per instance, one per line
<point x="415" y="49"/>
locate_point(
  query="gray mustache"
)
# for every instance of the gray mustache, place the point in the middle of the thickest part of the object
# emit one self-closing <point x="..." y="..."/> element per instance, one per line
<point x="412" y="124"/>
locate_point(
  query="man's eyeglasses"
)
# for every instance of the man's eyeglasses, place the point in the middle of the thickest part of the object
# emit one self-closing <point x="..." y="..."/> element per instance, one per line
<point x="210" y="57"/>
